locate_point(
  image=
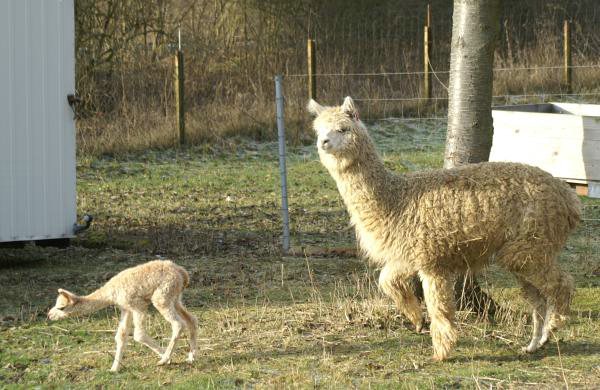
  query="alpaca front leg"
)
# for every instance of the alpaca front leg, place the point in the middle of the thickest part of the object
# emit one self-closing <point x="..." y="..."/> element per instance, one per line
<point x="121" y="338"/>
<point x="395" y="282"/>
<point x="536" y="336"/>
<point x="439" y="297"/>
<point x="139" y="333"/>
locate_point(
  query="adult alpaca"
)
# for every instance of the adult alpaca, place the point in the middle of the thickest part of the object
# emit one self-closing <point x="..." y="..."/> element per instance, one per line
<point x="438" y="223"/>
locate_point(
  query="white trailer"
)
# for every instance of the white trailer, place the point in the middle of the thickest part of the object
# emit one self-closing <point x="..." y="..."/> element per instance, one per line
<point x="37" y="129"/>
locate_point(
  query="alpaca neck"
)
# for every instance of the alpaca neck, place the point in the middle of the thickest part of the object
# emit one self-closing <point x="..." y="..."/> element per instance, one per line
<point x="364" y="182"/>
<point x="95" y="301"/>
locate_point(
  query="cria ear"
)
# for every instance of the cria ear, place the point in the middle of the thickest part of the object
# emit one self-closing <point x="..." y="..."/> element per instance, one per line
<point x="314" y="107"/>
<point x="72" y="298"/>
<point x="349" y="108"/>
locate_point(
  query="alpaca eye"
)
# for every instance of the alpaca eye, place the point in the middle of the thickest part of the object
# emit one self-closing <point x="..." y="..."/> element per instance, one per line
<point x="343" y="130"/>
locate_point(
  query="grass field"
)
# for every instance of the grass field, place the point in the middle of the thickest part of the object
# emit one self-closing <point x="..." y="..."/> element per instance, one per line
<point x="266" y="320"/>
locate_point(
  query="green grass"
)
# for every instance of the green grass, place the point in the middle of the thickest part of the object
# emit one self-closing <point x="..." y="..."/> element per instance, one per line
<point x="266" y="320"/>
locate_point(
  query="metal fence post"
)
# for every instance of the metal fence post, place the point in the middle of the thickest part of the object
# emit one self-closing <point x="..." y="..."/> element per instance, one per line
<point x="279" y="103"/>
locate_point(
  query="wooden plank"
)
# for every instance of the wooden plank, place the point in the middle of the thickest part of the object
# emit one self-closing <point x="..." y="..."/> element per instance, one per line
<point x="561" y="159"/>
<point x="581" y="189"/>
<point x="551" y="137"/>
<point x="559" y="148"/>
<point x="547" y="125"/>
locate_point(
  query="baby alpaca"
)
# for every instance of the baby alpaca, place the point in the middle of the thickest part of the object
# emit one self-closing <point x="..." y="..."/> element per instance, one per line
<point x="439" y="223"/>
<point x="159" y="282"/>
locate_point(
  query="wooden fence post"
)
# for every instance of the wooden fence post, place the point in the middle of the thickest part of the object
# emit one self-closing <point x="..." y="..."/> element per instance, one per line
<point x="312" y="69"/>
<point x="178" y="80"/>
<point x="427" y="56"/>
<point x="567" y="74"/>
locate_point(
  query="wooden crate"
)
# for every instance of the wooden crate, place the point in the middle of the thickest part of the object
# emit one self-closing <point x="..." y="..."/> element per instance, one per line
<point x="560" y="138"/>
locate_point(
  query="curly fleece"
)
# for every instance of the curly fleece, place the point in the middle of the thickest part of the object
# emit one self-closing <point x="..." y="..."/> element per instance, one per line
<point x="438" y="223"/>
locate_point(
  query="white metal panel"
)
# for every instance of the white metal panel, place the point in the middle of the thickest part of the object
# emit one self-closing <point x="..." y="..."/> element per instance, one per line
<point x="37" y="144"/>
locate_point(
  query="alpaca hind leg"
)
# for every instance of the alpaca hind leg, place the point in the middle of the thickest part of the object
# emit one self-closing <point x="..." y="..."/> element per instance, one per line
<point x="121" y="338"/>
<point x="538" y="303"/>
<point x="560" y="292"/>
<point x="140" y="335"/>
<point x="177" y="324"/>
<point x="555" y="287"/>
<point x="395" y="282"/>
<point x="536" y="264"/>
<point x="439" y="297"/>
<point x="192" y="325"/>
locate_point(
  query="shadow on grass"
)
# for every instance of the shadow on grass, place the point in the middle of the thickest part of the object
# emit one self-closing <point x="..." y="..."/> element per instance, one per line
<point x="311" y="349"/>
<point x="564" y="349"/>
<point x="392" y="345"/>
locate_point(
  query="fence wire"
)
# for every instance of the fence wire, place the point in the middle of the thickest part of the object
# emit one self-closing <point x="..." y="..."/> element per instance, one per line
<point x="416" y="73"/>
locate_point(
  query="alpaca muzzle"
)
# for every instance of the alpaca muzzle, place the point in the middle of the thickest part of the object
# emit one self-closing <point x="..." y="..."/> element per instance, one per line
<point x="55" y="314"/>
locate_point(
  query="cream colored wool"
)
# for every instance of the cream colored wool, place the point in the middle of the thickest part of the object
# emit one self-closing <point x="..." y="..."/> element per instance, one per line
<point x="159" y="282"/>
<point x="438" y="223"/>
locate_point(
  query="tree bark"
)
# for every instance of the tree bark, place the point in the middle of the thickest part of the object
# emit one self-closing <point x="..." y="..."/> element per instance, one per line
<point x="475" y="29"/>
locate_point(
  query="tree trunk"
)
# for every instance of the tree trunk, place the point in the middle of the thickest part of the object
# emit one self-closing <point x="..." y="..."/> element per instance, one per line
<point x="475" y="28"/>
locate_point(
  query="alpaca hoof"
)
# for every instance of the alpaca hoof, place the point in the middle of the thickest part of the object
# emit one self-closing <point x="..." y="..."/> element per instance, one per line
<point x="164" y="361"/>
<point x="439" y="358"/>
<point x="190" y="358"/>
<point x="529" y="349"/>
<point x="422" y="328"/>
<point x="419" y="326"/>
<point x="114" y="369"/>
<point x="543" y="341"/>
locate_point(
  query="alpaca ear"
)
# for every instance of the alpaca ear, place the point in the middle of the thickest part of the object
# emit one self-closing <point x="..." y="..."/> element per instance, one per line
<point x="314" y="107"/>
<point x="349" y="108"/>
<point x="72" y="298"/>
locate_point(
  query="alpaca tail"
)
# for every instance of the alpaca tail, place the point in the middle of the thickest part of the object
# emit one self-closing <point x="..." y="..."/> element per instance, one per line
<point x="573" y="204"/>
<point x="565" y="294"/>
<point x="185" y="275"/>
<point x="187" y="316"/>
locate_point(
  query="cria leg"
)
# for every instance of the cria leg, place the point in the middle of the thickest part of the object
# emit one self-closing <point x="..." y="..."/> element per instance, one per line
<point x="191" y="324"/>
<point x="177" y="324"/>
<point x="121" y="338"/>
<point x="538" y="303"/>
<point x="140" y="335"/>
<point x="439" y="297"/>
<point x="395" y="282"/>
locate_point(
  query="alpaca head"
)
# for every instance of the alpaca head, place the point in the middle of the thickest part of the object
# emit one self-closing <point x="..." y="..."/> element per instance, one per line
<point x="340" y="133"/>
<point x="66" y="305"/>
